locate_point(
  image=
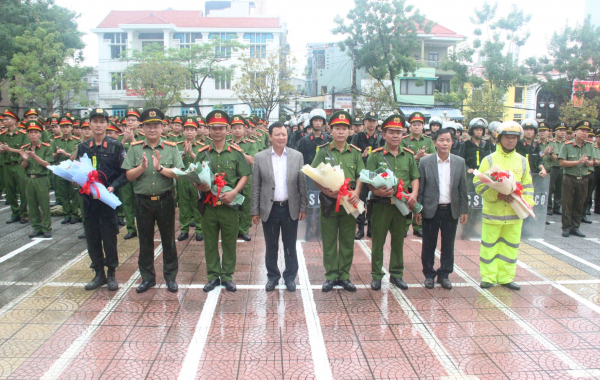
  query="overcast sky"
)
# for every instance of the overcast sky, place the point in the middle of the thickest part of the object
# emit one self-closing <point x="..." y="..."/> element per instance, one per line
<point x="312" y="20"/>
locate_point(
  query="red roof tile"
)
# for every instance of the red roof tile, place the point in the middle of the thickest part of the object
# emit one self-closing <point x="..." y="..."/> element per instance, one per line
<point x="442" y="31"/>
<point x="185" y="19"/>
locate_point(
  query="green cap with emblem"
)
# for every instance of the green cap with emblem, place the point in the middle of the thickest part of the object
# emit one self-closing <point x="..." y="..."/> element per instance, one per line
<point x="238" y="119"/>
<point x="416" y="116"/>
<point x="371" y="116"/>
<point x="560" y="125"/>
<point x="543" y="126"/>
<point x="219" y="117"/>
<point x="358" y="120"/>
<point x="340" y="117"/>
<point x="11" y="113"/>
<point x="31" y="111"/>
<point x="132" y="111"/>
<point x="99" y="112"/>
<point x="152" y="115"/>
<point x="583" y="124"/>
<point x="395" y="120"/>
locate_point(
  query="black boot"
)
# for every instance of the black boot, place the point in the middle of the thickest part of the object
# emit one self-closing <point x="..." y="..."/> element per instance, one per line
<point x="112" y="280"/>
<point x="98" y="281"/>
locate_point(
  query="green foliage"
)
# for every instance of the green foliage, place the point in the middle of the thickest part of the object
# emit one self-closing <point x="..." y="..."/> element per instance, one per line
<point x="486" y="102"/>
<point x="571" y="115"/>
<point x="45" y="72"/>
<point x="452" y="99"/>
<point x="377" y="98"/>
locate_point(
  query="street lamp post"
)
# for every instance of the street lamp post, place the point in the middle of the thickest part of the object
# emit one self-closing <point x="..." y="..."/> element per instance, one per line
<point x="546" y="104"/>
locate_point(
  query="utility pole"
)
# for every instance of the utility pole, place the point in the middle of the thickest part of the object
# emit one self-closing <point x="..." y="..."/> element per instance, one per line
<point x="353" y="86"/>
<point x="332" y="99"/>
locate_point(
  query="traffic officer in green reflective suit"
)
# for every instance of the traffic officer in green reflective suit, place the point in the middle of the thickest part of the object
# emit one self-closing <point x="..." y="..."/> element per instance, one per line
<point x="238" y="132"/>
<point x="229" y="159"/>
<point x="337" y="228"/>
<point x="188" y="195"/>
<point x="385" y="215"/>
<point x="126" y="193"/>
<point x="36" y="156"/>
<point x="14" y="178"/>
<point x="65" y="191"/>
<point x="150" y="164"/>
<point x="422" y="146"/>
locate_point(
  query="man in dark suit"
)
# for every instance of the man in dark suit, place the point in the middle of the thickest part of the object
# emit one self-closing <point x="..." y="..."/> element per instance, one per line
<point x="280" y="199"/>
<point x="443" y="194"/>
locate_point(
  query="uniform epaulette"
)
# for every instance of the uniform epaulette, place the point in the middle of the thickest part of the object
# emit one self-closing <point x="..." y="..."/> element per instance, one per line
<point x="23" y="131"/>
<point x="45" y="144"/>
<point x="136" y="143"/>
<point x="3" y="132"/>
<point x="408" y="150"/>
<point x="180" y="142"/>
<point x="76" y="138"/>
<point x="171" y="143"/>
<point x="237" y="148"/>
<point x="252" y="141"/>
<point x="355" y="147"/>
<point x="568" y="142"/>
<point x="405" y="137"/>
<point x="203" y="148"/>
<point x="26" y="145"/>
<point x="57" y="137"/>
<point x="320" y="146"/>
<point x="552" y="140"/>
<point x="377" y="150"/>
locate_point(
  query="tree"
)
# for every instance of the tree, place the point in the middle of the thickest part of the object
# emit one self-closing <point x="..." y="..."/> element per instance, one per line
<point x="156" y="76"/>
<point x="570" y="114"/>
<point x="382" y="36"/>
<point x="486" y="102"/>
<point x="377" y="98"/>
<point x="45" y="72"/>
<point x="264" y="82"/>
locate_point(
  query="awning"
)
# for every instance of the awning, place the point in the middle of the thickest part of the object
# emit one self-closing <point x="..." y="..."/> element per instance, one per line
<point x="451" y="113"/>
<point x="313" y="99"/>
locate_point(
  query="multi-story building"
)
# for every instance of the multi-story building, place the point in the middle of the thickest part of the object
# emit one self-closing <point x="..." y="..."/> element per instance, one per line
<point x="123" y="31"/>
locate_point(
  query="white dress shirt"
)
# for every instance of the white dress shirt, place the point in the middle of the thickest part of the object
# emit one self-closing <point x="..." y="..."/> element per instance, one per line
<point x="444" y="180"/>
<point x="280" y="175"/>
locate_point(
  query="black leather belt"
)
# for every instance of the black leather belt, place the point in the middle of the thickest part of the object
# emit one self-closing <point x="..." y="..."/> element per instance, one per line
<point x="574" y="176"/>
<point x="444" y="207"/>
<point x="280" y="203"/>
<point x="35" y="175"/>
<point x="386" y="201"/>
<point x="156" y="197"/>
<point x="11" y="163"/>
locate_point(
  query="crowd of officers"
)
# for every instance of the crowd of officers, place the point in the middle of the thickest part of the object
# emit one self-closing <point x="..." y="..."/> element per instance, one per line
<point x="138" y="152"/>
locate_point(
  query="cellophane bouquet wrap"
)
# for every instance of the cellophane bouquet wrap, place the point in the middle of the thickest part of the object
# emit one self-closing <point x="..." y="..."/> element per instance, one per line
<point x="220" y="186"/>
<point x="386" y="178"/>
<point x="65" y="169"/>
<point x="332" y="177"/>
<point x="85" y="175"/>
<point x="196" y="173"/>
<point x="503" y="181"/>
<point x="400" y="199"/>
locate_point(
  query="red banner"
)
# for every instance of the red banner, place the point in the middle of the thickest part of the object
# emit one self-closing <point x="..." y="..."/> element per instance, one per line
<point x="583" y="86"/>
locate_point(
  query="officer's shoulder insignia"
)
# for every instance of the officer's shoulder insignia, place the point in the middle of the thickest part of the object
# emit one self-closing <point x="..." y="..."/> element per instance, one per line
<point x="3" y="132"/>
<point x="568" y="142"/>
<point x="57" y="137"/>
<point x="76" y="138"/>
<point x="377" y="150"/>
<point x="180" y="142"/>
<point x="552" y="140"/>
<point x="355" y="147"/>
<point x="236" y="148"/>
<point x="24" y="146"/>
<point x="45" y="144"/>
<point x="429" y="137"/>
<point x="136" y="143"/>
<point x="23" y="132"/>
<point x="408" y="150"/>
<point x="252" y="141"/>
<point x="205" y="147"/>
<point x="406" y="137"/>
<point x="320" y="146"/>
<point x="171" y="143"/>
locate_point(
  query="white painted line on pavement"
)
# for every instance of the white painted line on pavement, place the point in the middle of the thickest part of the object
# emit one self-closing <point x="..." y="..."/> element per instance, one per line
<point x="568" y="254"/>
<point x="315" y="335"/>
<point x="435" y="345"/>
<point x="4" y="208"/>
<point x="62" y="363"/>
<point x="196" y="347"/>
<point x="12" y="254"/>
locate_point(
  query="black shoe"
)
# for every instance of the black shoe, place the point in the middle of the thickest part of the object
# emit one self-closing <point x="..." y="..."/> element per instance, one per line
<point x="73" y="220"/>
<point x="446" y="284"/>
<point x="24" y="221"/>
<point x="588" y="212"/>
<point x="376" y="284"/>
<point x="549" y="212"/>
<point x="398" y="282"/>
<point x="270" y="285"/>
<point x="368" y="233"/>
<point x="577" y="233"/>
<point x="66" y="220"/>
<point x="290" y="286"/>
<point x="349" y="286"/>
<point x="14" y="219"/>
<point x="547" y="223"/>
<point x="145" y="285"/>
<point x="172" y="286"/>
<point x="512" y="286"/>
<point x="596" y="211"/>
<point x="82" y="236"/>
<point x="229" y="286"/>
<point x="47" y="235"/>
<point x="122" y="222"/>
<point x="130" y="235"/>
<point x="192" y="224"/>
<point x="359" y="235"/>
<point x="199" y="236"/>
<point x="328" y="285"/>
<point x="566" y="233"/>
<point x="406" y="234"/>
<point x="418" y="233"/>
<point x="586" y="220"/>
<point x="183" y="236"/>
<point x="245" y="237"/>
<point x="557" y="212"/>
<point x="429" y="283"/>
<point x="98" y="281"/>
<point x="36" y="234"/>
<point x="211" y="285"/>
<point x="485" y="285"/>
<point x="111" y="280"/>
<point x="6" y="203"/>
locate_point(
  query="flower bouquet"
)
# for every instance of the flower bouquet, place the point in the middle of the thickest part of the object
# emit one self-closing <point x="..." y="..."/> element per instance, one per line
<point x="65" y="169"/>
<point x="387" y="178"/>
<point x="400" y="199"/>
<point x="220" y="186"/>
<point x="332" y="177"/>
<point x="196" y="173"/>
<point x="88" y="178"/>
<point x="503" y="181"/>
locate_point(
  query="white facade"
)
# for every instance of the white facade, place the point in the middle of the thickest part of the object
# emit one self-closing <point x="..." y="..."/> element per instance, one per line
<point x="156" y="28"/>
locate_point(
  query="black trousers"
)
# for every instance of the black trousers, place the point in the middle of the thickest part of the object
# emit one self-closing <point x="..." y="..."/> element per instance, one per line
<point x="101" y="227"/>
<point x="280" y="220"/>
<point x="161" y="212"/>
<point x="431" y="227"/>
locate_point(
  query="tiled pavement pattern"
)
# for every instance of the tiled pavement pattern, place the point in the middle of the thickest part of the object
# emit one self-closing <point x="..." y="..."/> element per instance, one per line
<point x="51" y="328"/>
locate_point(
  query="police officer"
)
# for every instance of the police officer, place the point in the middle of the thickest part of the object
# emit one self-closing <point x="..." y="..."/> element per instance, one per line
<point x="456" y="141"/>
<point x="336" y="227"/>
<point x="229" y="159"/>
<point x="476" y="148"/>
<point x="150" y="163"/>
<point x="493" y="137"/>
<point x="36" y="156"/>
<point x="422" y="146"/>
<point x="64" y="190"/>
<point x="435" y="123"/>
<point x="309" y="143"/>
<point x="529" y="148"/>
<point x="100" y="220"/>
<point x="597" y="173"/>
<point x="556" y="172"/>
<point x="576" y="157"/>
<point x="587" y="208"/>
<point x="385" y="215"/>
<point x="176" y="134"/>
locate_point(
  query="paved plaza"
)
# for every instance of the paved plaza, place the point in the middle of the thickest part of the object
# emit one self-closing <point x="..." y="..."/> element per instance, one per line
<point x="51" y="328"/>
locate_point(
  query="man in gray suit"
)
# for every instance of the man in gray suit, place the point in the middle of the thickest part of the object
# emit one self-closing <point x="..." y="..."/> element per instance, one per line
<point x="443" y="194"/>
<point x="280" y="200"/>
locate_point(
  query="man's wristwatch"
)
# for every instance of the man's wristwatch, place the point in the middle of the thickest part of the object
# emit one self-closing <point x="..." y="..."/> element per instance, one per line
<point x="161" y="168"/>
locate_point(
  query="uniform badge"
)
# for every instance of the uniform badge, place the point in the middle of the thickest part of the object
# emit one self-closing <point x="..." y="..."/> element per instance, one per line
<point x="99" y="110"/>
<point x="218" y="115"/>
<point x="152" y="113"/>
<point x="342" y="117"/>
<point x="123" y="154"/>
<point x="396" y="120"/>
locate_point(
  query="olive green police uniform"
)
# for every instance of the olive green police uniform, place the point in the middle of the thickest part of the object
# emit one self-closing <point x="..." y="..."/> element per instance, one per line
<point x="574" y="186"/>
<point x="64" y="189"/>
<point x="155" y="201"/>
<point x="556" y="176"/>
<point x="222" y="218"/>
<point x="14" y="176"/>
<point x="337" y="230"/>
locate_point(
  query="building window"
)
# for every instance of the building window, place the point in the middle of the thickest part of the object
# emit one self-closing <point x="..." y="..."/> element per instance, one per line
<point x="186" y="40"/>
<point x="323" y="90"/>
<point x="434" y="58"/>
<point x="223" y="81"/>
<point x="260" y="112"/>
<point x="117" y="43"/>
<point x="222" y="50"/>
<point x="225" y="107"/>
<point x="258" y="43"/>
<point x="442" y="86"/>
<point x="319" y="59"/>
<point x="119" y="111"/>
<point x="409" y="87"/>
<point x="151" y="39"/>
<point x="519" y="94"/>
<point x="518" y="117"/>
<point x="118" y="82"/>
<point x="185" y="111"/>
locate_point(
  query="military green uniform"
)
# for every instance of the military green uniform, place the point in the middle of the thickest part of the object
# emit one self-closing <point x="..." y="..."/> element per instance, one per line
<point x="338" y="228"/>
<point x="65" y="190"/>
<point x="249" y="148"/>
<point x="14" y="176"/>
<point x="176" y="138"/>
<point x="187" y="193"/>
<point x="547" y="158"/>
<point x="556" y="178"/>
<point x="222" y="218"/>
<point x="37" y="186"/>
<point x="155" y="203"/>
<point x="126" y="194"/>
<point x="574" y="186"/>
<point x="385" y="215"/>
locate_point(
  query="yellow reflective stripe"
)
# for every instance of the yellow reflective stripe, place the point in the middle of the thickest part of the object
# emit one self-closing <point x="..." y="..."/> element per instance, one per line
<point x="500" y="217"/>
<point x="499" y="257"/>
<point x="500" y="240"/>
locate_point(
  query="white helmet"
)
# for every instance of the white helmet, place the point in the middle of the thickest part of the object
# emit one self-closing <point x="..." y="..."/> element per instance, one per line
<point x="493" y="127"/>
<point x="510" y="128"/>
<point x="426" y="127"/>
<point x="293" y="122"/>
<point x="530" y="123"/>
<point x="307" y="123"/>
<point x="449" y="124"/>
<point x="435" y="120"/>
<point x="459" y="127"/>
<point x="318" y="113"/>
